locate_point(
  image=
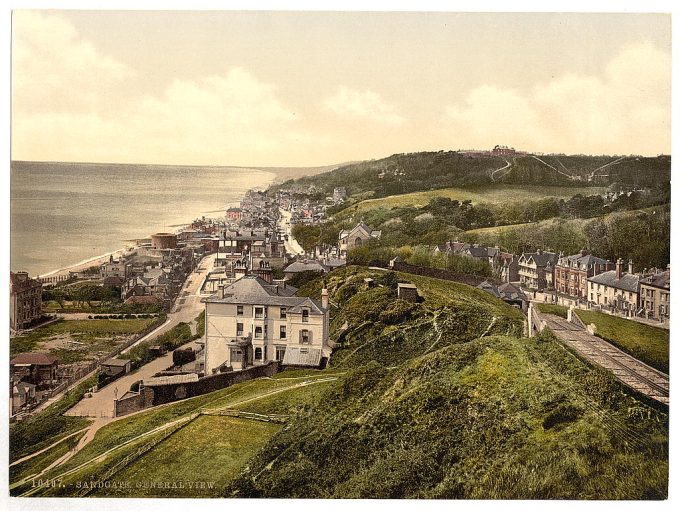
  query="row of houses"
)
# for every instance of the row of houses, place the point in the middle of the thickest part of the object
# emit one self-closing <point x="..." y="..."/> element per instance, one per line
<point x="584" y="277"/>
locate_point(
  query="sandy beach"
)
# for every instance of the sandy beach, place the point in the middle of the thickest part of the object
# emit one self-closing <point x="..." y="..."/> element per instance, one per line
<point x="85" y="264"/>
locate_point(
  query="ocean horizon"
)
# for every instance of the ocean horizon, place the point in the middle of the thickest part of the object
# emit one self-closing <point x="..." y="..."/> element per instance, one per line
<point x="65" y="213"/>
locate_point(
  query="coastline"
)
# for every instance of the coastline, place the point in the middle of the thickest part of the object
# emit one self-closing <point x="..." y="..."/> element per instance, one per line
<point x="84" y="264"/>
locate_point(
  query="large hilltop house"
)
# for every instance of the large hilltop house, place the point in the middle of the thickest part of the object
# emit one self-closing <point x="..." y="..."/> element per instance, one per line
<point x="252" y="322"/>
<point x="25" y="300"/>
<point x="572" y="272"/>
<point x="536" y="270"/>
<point x="615" y="290"/>
<point x="349" y="239"/>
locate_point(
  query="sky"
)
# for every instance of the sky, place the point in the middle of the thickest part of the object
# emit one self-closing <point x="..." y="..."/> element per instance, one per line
<point x="318" y="88"/>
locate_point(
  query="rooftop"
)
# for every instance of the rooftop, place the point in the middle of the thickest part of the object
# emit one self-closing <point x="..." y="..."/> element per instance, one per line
<point x="627" y="282"/>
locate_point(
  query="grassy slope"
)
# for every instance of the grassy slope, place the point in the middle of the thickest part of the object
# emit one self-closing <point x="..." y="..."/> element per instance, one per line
<point x="252" y="396"/>
<point x="648" y="343"/>
<point x="471" y="417"/>
<point x="489" y="194"/>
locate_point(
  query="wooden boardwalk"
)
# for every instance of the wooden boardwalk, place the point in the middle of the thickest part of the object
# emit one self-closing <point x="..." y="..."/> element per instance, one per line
<point x="627" y="369"/>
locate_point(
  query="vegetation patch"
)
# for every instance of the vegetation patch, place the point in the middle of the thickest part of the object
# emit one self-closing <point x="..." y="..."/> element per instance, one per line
<point x="644" y="342"/>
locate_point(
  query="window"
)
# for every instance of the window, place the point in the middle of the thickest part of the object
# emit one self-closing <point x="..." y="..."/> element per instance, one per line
<point x="258" y="353"/>
<point x="282" y="332"/>
<point x="239" y="310"/>
<point x="283" y="313"/>
<point x="280" y="352"/>
<point x="258" y="332"/>
<point x="259" y="312"/>
<point x="305" y="315"/>
<point x="239" y="329"/>
<point x="304" y="336"/>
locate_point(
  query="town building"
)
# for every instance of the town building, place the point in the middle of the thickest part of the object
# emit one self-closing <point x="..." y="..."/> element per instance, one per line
<point x="655" y="295"/>
<point x="23" y="395"/>
<point x="163" y="240"/>
<point x="501" y="150"/>
<point x="303" y="266"/>
<point x="510" y="293"/>
<point x="339" y="194"/>
<point x="25" y="300"/>
<point x="536" y="269"/>
<point x="572" y="272"/>
<point x="234" y="214"/>
<point x="356" y="237"/>
<point x="252" y="322"/>
<point x="40" y="369"/>
<point x="615" y="290"/>
<point x="115" y="268"/>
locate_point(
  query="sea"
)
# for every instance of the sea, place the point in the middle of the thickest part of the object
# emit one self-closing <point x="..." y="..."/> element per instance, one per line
<point x="65" y="213"/>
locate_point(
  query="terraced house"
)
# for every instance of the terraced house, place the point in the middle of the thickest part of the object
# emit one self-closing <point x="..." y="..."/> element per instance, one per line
<point x="25" y="300"/>
<point x="537" y="269"/>
<point x="572" y="272"/>
<point x="615" y="290"/>
<point x="655" y="295"/>
<point x="252" y="322"/>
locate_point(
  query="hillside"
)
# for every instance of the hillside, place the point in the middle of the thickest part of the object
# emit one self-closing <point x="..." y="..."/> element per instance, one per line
<point x="454" y="404"/>
<point x="413" y="172"/>
<point x="438" y="399"/>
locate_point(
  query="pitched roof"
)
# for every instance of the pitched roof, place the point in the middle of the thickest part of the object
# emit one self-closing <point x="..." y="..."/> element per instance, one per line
<point x="489" y="287"/>
<point x="306" y="265"/>
<point x="511" y="291"/>
<point x="19" y="283"/>
<point x="540" y="258"/>
<point x="144" y="300"/>
<point x="661" y="280"/>
<point x="116" y="362"/>
<point x="252" y="290"/>
<point x="627" y="282"/>
<point x="302" y="356"/>
<point x="40" y="359"/>
<point x="580" y="260"/>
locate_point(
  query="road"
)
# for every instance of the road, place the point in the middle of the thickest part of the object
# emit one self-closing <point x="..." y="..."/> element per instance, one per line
<point x="187" y="306"/>
<point x="291" y="244"/>
<point x="627" y="369"/>
<point x="507" y="166"/>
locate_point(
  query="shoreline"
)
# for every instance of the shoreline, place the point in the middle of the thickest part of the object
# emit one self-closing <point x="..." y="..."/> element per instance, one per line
<point x="84" y="264"/>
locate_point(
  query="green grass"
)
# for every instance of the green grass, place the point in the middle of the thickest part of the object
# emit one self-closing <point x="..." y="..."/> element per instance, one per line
<point x="549" y="308"/>
<point x="49" y="425"/>
<point x="38" y="463"/>
<point x="98" y="334"/>
<point x="210" y="449"/>
<point x="489" y="194"/>
<point x="213" y="431"/>
<point x="647" y="343"/>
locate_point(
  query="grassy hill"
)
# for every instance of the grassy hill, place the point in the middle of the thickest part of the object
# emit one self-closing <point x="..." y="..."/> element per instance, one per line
<point x="462" y="408"/>
<point x="492" y="194"/>
<point x="438" y="399"/>
<point x="412" y="172"/>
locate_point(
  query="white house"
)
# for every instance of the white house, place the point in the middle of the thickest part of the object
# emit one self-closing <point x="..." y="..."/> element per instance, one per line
<point x="252" y="322"/>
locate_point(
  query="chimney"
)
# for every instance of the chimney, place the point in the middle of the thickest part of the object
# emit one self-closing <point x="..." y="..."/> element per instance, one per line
<point x="584" y="252"/>
<point x="324" y="298"/>
<point x="630" y="266"/>
<point x="221" y="287"/>
<point x="619" y="268"/>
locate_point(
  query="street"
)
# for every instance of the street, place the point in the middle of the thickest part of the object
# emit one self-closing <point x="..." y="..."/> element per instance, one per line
<point x="187" y="306"/>
<point x="291" y="244"/>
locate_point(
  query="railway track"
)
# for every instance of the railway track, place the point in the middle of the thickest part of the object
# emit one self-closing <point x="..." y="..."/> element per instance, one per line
<point x="627" y="369"/>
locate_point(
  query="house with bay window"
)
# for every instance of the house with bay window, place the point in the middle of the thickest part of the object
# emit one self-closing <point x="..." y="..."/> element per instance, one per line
<point x="253" y="321"/>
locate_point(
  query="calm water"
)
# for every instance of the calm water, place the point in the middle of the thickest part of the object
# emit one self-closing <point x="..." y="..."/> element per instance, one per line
<point x="63" y="213"/>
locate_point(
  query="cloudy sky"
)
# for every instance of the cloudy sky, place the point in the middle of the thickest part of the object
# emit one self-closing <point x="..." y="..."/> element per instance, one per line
<point x="298" y="89"/>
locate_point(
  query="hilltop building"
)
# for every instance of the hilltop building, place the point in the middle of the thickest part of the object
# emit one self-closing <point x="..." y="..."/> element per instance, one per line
<point x="25" y="300"/>
<point x="252" y="321"/>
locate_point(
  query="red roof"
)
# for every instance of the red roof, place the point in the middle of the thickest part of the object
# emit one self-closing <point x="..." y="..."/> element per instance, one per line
<point x="38" y="359"/>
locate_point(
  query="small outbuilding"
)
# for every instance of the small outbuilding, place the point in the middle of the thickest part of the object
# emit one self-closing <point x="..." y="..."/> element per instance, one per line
<point x="407" y="292"/>
<point x="116" y="367"/>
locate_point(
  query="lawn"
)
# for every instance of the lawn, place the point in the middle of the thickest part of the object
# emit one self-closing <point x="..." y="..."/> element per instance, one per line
<point x="211" y="449"/>
<point x="647" y="343"/>
<point x="97" y="336"/>
<point x="557" y="310"/>
<point x="489" y="194"/>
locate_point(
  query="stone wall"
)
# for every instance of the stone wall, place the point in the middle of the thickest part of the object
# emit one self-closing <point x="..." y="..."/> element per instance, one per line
<point x="161" y="394"/>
